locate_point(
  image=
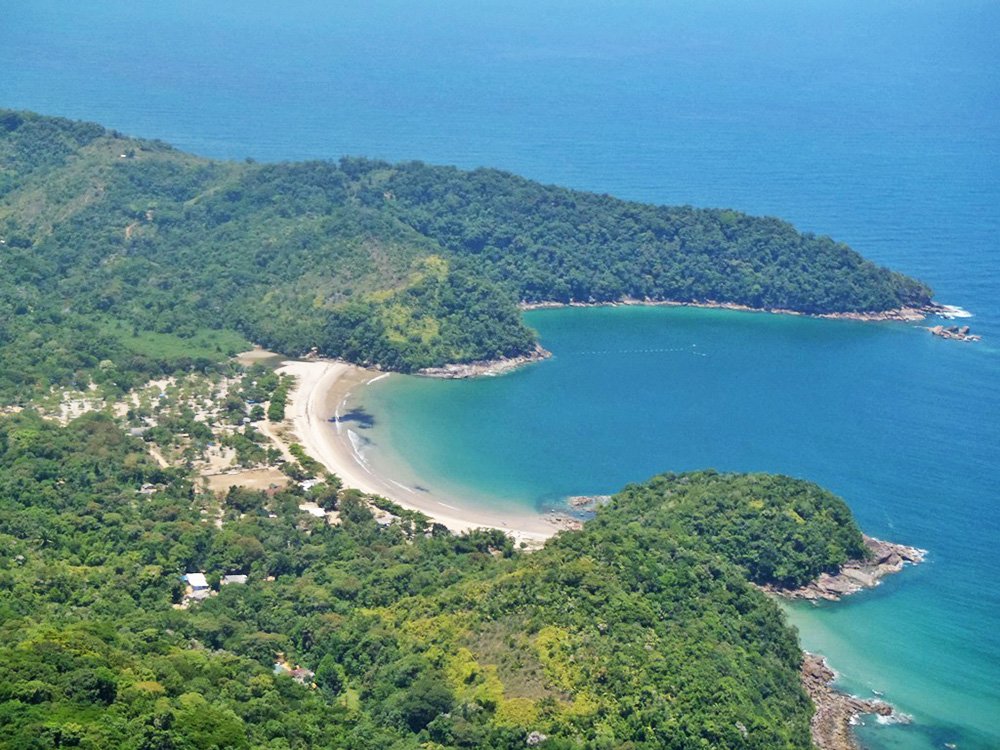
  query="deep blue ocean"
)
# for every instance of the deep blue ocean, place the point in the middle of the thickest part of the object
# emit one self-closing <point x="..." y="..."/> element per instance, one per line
<point x="876" y="123"/>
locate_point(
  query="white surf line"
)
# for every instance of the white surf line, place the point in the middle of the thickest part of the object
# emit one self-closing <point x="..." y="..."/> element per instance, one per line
<point x="355" y="451"/>
<point x="451" y="507"/>
<point x="401" y="486"/>
<point x="336" y="413"/>
<point x="954" y="311"/>
<point x="378" y="378"/>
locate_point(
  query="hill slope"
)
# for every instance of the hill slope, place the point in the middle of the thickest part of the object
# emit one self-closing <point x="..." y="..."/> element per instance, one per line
<point x="108" y="238"/>
<point x="639" y="631"/>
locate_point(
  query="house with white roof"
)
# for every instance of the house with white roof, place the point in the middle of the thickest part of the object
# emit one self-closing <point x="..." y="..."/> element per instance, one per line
<point x="196" y="581"/>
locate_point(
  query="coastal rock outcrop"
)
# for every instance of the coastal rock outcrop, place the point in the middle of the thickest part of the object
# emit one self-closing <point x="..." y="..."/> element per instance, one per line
<point x="886" y="558"/>
<point x="836" y="712"/>
<point x="957" y="333"/>
<point x="486" y="367"/>
<point x="587" y="503"/>
<point x="563" y="522"/>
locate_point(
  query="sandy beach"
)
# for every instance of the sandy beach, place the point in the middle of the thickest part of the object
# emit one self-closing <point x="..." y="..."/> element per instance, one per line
<point x="320" y="387"/>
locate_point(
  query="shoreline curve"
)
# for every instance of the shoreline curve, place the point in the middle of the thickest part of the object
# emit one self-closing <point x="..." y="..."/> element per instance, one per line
<point x="898" y="314"/>
<point x="320" y="385"/>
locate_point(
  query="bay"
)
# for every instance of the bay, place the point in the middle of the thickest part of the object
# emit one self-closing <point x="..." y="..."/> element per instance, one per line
<point x="872" y="122"/>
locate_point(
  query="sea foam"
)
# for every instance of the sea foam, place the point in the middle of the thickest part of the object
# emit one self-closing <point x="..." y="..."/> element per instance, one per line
<point x="953" y="311"/>
<point x="358" y="444"/>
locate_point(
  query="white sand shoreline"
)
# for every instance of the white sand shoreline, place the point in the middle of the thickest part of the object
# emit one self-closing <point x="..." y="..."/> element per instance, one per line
<point x="321" y="386"/>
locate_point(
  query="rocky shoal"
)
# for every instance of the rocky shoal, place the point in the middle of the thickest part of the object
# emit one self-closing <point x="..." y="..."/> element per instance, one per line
<point x="956" y="333"/>
<point x="588" y="503"/>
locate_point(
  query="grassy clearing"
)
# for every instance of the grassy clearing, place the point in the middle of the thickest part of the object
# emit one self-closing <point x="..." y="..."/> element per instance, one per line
<point x="207" y="343"/>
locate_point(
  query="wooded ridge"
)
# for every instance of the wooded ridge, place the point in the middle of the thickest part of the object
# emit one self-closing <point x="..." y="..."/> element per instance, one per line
<point x="124" y="258"/>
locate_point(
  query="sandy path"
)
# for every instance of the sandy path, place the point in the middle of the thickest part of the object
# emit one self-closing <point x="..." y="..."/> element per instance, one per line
<point x="320" y="386"/>
<point x="157" y="456"/>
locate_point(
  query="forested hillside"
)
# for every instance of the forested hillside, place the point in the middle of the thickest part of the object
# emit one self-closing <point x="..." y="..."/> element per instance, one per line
<point x="640" y="631"/>
<point x="122" y="258"/>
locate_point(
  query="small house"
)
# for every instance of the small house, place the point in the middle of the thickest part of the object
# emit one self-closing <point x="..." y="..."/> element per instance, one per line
<point x="197" y="587"/>
<point x="312" y="509"/>
<point x="196" y="581"/>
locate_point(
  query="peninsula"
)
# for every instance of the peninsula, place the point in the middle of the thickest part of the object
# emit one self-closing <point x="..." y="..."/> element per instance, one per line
<point x="131" y="259"/>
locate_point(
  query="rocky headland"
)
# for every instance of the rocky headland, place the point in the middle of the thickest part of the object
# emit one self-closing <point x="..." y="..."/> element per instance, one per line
<point x="836" y="712"/>
<point x="886" y="558"/>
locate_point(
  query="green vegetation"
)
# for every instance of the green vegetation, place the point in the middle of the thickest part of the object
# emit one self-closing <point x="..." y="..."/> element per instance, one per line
<point x="310" y="464"/>
<point x="640" y="631"/>
<point x="443" y="315"/>
<point x="124" y="259"/>
<point x="550" y="243"/>
<point x="781" y="531"/>
<point x="279" y="399"/>
<point x="202" y="344"/>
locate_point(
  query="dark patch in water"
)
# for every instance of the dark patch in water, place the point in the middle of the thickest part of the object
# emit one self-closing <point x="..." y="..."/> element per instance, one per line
<point x="358" y="416"/>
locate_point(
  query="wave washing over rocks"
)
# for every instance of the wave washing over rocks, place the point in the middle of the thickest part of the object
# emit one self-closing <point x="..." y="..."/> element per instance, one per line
<point x="886" y="558"/>
<point x="836" y="712"/>
<point x="955" y="333"/>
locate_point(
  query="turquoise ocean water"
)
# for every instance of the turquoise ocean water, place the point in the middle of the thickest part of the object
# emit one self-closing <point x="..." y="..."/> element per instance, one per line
<point x="876" y="123"/>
